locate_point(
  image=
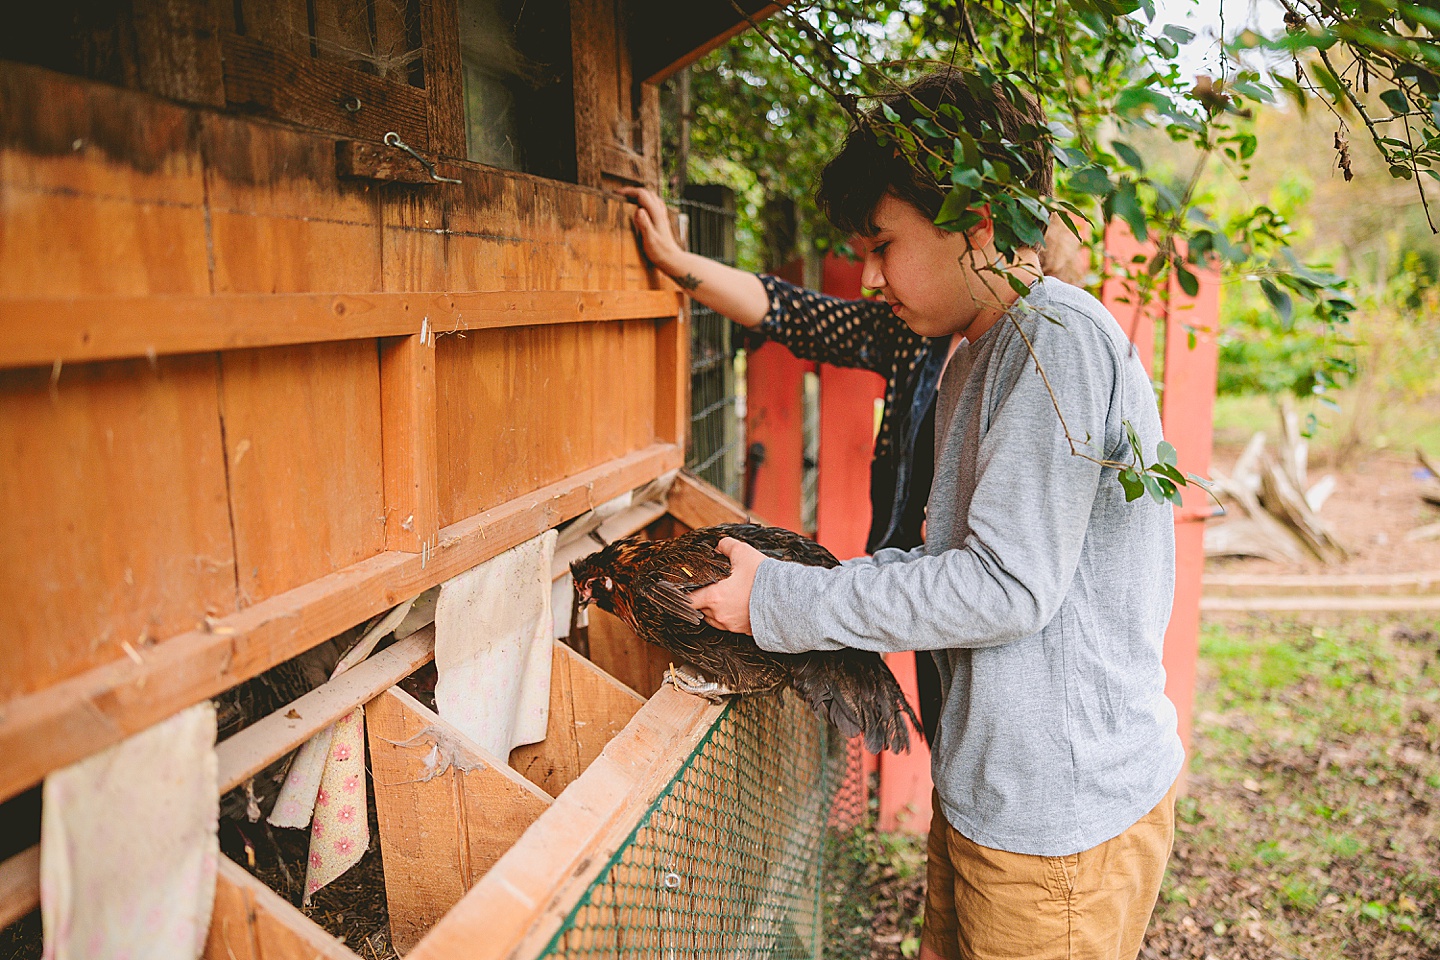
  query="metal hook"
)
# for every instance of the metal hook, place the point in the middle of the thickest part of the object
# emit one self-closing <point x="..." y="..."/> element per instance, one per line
<point x="393" y="139"/>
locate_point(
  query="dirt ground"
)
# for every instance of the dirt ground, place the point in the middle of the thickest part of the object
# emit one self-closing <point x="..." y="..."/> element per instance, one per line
<point x="1375" y="503"/>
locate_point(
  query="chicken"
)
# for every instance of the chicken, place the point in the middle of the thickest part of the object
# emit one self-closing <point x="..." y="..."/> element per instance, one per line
<point x="646" y="582"/>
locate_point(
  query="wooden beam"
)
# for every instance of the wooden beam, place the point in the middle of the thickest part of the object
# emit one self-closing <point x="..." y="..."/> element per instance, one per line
<point x="321" y="95"/>
<point x="588" y="707"/>
<point x="40" y="331"/>
<point x="697" y="504"/>
<point x="19" y="885"/>
<point x="70" y="720"/>
<point x="253" y="922"/>
<point x="408" y="442"/>
<point x="447" y="809"/>
<point x="1375" y="603"/>
<point x="516" y="908"/>
<point x="260" y="744"/>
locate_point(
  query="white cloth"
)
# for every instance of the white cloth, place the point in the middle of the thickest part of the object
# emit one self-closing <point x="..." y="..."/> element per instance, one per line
<point x="494" y="635"/>
<point x="128" y="846"/>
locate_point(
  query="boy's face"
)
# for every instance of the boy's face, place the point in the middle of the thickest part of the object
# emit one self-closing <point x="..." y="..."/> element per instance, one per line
<point x="926" y="274"/>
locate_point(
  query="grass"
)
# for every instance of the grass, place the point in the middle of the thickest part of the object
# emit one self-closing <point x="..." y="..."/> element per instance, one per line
<point x="1311" y="827"/>
<point x="1400" y="427"/>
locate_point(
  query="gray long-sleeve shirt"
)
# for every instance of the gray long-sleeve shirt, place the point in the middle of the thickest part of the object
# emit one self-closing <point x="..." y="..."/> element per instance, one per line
<point x="1042" y="594"/>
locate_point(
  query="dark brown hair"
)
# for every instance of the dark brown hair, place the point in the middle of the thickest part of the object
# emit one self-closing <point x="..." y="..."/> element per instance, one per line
<point x="866" y="169"/>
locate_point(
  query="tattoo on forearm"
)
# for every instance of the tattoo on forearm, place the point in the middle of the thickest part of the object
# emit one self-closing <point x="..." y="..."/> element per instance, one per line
<point x="689" y="281"/>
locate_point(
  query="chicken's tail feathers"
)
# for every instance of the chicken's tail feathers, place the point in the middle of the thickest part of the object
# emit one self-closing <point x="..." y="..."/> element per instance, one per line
<point x="856" y="692"/>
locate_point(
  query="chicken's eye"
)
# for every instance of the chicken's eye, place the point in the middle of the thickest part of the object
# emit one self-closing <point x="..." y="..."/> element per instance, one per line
<point x="609" y="584"/>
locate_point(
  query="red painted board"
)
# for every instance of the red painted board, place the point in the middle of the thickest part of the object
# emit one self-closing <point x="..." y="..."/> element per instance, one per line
<point x="1187" y="413"/>
<point x="774" y="422"/>
<point x="1119" y="295"/>
<point x="905" y="782"/>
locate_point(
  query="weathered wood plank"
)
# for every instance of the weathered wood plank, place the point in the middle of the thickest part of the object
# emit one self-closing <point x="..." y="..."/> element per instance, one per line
<point x="1232" y="584"/>
<point x="516" y="907"/>
<point x="314" y="93"/>
<point x="444" y="84"/>
<point x="447" y="810"/>
<point x="1313" y="603"/>
<point x="38" y="331"/>
<point x="407" y="410"/>
<point x="587" y="709"/>
<point x="52" y="728"/>
<point x="253" y="922"/>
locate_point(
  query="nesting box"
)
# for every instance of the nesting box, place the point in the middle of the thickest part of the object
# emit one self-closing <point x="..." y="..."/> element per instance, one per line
<point x="305" y="308"/>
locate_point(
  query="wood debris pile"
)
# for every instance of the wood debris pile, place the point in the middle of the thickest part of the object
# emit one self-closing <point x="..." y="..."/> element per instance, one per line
<point x="1430" y="493"/>
<point x="1273" y="510"/>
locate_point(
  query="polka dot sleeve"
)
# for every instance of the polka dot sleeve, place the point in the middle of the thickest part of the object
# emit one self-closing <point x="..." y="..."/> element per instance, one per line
<point x="848" y="333"/>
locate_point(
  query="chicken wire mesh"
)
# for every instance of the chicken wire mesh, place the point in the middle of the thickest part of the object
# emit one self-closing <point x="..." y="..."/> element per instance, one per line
<point x="732" y="860"/>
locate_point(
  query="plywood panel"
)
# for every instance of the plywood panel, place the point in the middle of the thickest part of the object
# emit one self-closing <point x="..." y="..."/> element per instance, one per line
<point x="525" y="407"/>
<point x="115" y="529"/>
<point x="615" y="649"/>
<point x="302" y="437"/>
<point x="281" y="220"/>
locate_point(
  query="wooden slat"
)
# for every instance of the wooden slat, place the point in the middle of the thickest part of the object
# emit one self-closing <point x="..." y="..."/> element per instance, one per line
<point x="616" y="649"/>
<point x="312" y="93"/>
<point x="697" y="504"/>
<point x="516" y="908"/>
<point x="444" y="85"/>
<point x="37" y="331"/>
<point x="672" y="380"/>
<point x="52" y="728"/>
<point x="1233" y="584"/>
<point x="439" y="830"/>
<point x="587" y="709"/>
<point x="260" y="744"/>
<point x="19" y="885"/>
<point x="1312" y="603"/>
<point x="177" y="49"/>
<point x="407" y="410"/>
<point x="253" y="922"/>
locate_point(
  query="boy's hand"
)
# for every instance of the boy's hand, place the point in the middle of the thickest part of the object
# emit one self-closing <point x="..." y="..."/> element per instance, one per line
<point x="727" y="604"/>
<point x="652" y="223"/>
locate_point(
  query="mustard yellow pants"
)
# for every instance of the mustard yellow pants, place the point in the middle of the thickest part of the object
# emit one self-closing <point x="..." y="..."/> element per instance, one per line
<point x="984" y="904"/>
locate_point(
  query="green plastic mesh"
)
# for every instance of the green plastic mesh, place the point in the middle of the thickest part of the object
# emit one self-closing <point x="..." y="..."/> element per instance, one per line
<point x="729" y="861"/>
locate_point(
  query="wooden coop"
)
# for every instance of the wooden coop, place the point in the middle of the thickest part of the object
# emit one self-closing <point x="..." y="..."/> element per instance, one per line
<point x="309" y="306"/>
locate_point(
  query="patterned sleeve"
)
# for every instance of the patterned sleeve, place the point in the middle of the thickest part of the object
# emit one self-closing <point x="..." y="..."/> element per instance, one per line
<point x="847" y="333"/>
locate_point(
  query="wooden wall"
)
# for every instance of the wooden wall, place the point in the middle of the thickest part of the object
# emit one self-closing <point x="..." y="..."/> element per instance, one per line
<point x="246" y="403"/>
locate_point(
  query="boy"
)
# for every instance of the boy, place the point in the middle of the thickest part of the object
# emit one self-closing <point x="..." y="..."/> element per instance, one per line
<point x="1042" y="594"/>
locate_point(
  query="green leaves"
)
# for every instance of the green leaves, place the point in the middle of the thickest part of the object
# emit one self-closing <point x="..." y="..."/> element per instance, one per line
<point x="1161" y="479"/>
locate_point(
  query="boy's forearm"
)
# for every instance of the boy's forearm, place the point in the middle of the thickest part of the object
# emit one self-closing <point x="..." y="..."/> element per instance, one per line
<point x="730" y="292"/>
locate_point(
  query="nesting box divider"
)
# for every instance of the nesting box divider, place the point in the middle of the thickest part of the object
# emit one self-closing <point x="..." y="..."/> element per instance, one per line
<point x="448" y="809"/>
<point x="588" y="707"/>
<point x="252" y="922"/>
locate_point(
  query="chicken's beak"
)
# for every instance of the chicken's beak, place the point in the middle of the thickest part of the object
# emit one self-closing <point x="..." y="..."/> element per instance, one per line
<point x="582" y="595"/>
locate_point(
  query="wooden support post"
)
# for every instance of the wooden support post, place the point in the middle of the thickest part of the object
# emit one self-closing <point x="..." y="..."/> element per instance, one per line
<point x="253" y="922"/>
<point x="408" y="441"/>
<point x="587" y="709"/>
<point x="616" y="649"/>
<point x="447" y="810"/>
